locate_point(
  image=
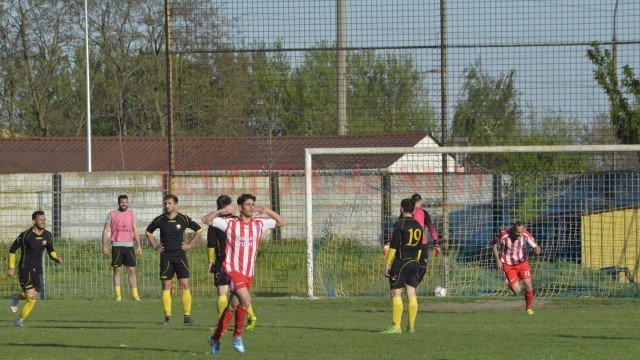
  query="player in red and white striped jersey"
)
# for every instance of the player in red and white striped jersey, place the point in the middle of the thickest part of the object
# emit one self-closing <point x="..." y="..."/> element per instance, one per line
<point x="243" y="237"/>
<point x="511" y="259"/>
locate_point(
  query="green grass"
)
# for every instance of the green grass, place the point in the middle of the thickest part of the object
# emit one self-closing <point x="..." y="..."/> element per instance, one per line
<point x="450" y="328"/>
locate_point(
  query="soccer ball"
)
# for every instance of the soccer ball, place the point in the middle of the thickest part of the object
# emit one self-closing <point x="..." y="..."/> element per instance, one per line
<point x="440" y="292"/>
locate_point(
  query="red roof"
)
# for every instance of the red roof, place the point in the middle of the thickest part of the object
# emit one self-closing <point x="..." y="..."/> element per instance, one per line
<point x="69" y="154"/>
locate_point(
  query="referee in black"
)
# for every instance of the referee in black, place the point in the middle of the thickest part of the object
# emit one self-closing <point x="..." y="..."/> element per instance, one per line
<point x="173" y="259"/>
<point x="402" y="266"/>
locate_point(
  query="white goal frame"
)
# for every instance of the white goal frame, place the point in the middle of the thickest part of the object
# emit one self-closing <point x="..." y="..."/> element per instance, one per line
<point x="310" y="152"/>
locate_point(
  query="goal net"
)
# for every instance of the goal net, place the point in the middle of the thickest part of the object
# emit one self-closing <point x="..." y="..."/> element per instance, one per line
<point x="581" y="203"/>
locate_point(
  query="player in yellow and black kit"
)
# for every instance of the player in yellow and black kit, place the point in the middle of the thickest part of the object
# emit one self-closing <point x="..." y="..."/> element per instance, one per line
<point x="216" y="244"/>
<point x="32" y="244"/>
<point x="402" y="266"/>
<point x="173" y="259"/>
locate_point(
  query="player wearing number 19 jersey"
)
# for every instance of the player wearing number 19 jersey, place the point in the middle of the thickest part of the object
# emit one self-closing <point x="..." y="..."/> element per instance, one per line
<point x="402" y="265"/>
<point x="511" y="258"/>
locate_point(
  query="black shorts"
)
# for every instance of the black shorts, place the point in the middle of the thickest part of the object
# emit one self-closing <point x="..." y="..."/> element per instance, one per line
<point x="220" y="277"/>
<point x="123" y="255"/>
<point x="30" y="278"/>
<point x="171" y="264"/>
<point x="404" y="273"/>
<point x="422" y="270"/>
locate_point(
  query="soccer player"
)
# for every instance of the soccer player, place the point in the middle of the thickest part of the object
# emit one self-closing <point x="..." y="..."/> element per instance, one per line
<point x="402" y="266"/>
<point x="124" y="231"/>
<point x="422" y="216"/>
<point x="216" y="244"/>
<point x="511" y="259"/>
<point x="243" y="237"/>
<point x="173" y="259"/>
<point x="32" y="243"/>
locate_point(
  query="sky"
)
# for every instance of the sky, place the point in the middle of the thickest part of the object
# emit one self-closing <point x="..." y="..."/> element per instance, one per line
<point x="544" y="41"/>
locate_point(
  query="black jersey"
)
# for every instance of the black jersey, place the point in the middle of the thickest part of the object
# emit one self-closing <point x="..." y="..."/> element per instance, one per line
<point x="32" y="247"/>
<point x="407" y="239"/>
<point x="217" y="239"/>
<point x="172" y="230"/>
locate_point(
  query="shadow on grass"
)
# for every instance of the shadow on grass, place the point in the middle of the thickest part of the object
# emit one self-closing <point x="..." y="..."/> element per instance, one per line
<point x="93" y="347"/>
<point x="601" y="337"/>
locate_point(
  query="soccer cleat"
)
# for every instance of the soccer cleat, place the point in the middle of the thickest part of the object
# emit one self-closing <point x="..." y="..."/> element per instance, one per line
<point x="391" y="330"/>
<point x="530" y="312"/>
<point x="251" y="323"/>
<point x="14" y="303"/>
<point x="188" y="320"/>
<point x="167" y="320"/>
<point x="238" y="344"/>
<point x="118" y="298"/>
<point x="215" y="346"/>
<point x="137" y="298"/>
<point x="18" y="323"/>
<point x="410" y="331"/>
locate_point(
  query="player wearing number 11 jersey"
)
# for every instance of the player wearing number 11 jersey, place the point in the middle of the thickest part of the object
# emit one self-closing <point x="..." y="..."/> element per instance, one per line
<point x="402" y="265"/>
<point x="511" y="259"/>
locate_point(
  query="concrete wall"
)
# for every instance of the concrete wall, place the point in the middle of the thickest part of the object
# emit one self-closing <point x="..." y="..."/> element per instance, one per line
<point x="347" y="206"/>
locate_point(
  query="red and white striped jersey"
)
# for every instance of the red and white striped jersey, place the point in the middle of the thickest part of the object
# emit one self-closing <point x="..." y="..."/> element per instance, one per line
<point x="242" y="242"/>
<point x="513" y="251"/>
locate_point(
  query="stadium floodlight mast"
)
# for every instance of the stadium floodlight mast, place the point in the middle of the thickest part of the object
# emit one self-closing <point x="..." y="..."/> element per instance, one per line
<point x="310" y="152"/>
<point x="86" y="45"/>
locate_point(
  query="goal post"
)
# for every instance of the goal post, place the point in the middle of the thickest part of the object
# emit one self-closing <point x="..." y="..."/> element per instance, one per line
<point x="576" y="199"/>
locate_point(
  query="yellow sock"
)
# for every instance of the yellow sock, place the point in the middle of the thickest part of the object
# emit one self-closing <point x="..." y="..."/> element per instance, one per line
<point x="412" y="309"/>
<point x="223" y="301"/>
<point x="396" y="314"/>
<point x="250" y="311"/>
<point x="22" y="295"/>
<point x="134" y="292"/>
<point x="166" y="302"/>
<point x="117" y="290"/>
<point x="26" y="309"/>
<point x="186" y="302"/>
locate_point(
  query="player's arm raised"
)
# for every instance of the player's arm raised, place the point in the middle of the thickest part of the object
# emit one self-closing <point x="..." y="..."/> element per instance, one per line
<point x="229" y="209"/>
<point x="280" y="222"/>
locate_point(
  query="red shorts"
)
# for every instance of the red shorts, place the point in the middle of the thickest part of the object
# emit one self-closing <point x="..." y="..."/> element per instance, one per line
<point x="239" y="281"/>
<point x="513" y="273"/>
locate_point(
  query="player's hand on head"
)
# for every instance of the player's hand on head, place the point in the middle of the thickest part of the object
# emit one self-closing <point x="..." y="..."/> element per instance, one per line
<point x="259" y="208"/>
<point x="230" y="209"/>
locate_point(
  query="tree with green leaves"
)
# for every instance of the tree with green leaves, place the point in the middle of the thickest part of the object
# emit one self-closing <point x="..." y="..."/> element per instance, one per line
<point x="385" y="93"/>
<point x="488" y="111"/>
<point x="624" y="95"/>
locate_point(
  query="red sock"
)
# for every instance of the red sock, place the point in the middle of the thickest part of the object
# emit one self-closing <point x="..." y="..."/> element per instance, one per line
<point x="240" y="315"/>
<point x="223" y="324"/>
<point x="528" y="298"/>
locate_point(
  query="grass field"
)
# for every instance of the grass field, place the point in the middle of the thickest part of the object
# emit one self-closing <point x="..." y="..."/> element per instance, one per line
<point x="450" y="328"/>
